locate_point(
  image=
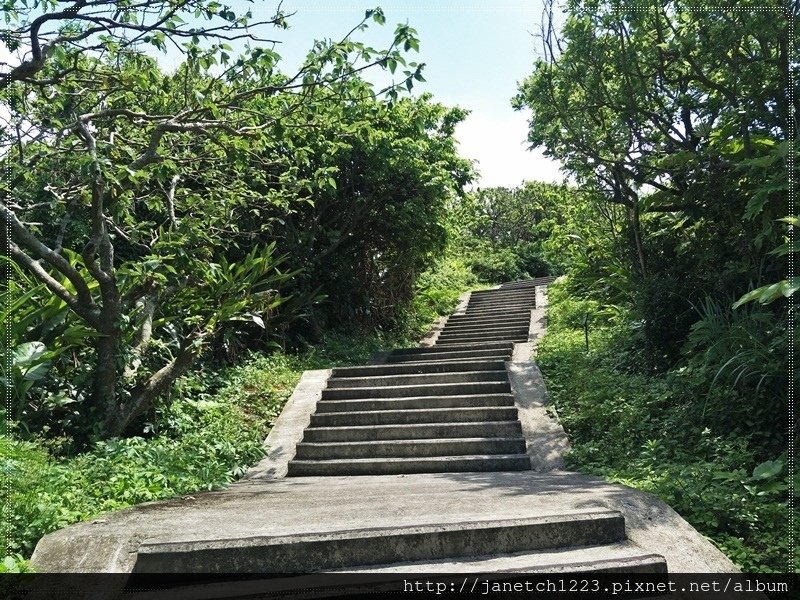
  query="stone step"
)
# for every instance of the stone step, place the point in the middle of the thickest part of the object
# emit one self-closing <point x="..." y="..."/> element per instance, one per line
<point x="409" y="368"/>
<point x="310" y="552"/>
<point x="495" y="297"/>
<point x="424" y="350"/>
<point x="408" y="448"/>
<point x="459" y="339"/>
<point x="503" y="296"/>
<point x="487" y="327"/>
<point x="500" y="303"/>
<point x="484" y="325"/>
<point x="490" y="319"/>
<point x="445" y="356"/>
<point x="507" y="319"/>
<point x="481" y="327"/>
<point x="500" y="315"/>
<point x="474" y="414"/>
<point x="511" y="337"/>
<point x="497" y="290"/>
<point x="500" y="310"/>
<point x="489" y="331"/>
<point x="399" y="466"/>
<point x="417" y="379"/>
<point x="405" y="391"/>
<point x="415" y="432"/>
<point x="621" y="557"/>
<point x="483" y="331"/>
<point x="528" y="283"/>
<point x="326" y="406"/>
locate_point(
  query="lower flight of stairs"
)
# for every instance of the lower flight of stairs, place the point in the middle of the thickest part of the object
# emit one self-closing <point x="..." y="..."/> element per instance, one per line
<point x="445" y="408"/>
<point x="442" y="408"/>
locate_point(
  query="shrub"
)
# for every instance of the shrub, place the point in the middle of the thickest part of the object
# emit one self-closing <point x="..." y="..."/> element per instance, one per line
<point x="670" y="434"/>
<point x="207" y="435"/>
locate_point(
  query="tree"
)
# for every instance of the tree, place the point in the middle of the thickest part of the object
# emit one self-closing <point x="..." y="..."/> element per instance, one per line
<point x="123" y="179"/>
<point x="392" y="171"/>
<point x="685" y="115"/>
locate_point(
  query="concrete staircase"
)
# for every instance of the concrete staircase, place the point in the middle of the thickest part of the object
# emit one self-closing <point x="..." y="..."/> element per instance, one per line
<point x="414" y="465"/>
<point x="442" y="408"/>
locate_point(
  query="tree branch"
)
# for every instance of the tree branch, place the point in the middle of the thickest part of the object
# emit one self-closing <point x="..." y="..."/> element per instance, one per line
<point x="87" y="313"/>
<point x="38" y="51"/>
<point x="24" y="237"/>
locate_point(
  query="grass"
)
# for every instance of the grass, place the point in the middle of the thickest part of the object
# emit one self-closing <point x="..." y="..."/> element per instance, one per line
<point x="206" y="435"/>
<point x="652" y="432"/>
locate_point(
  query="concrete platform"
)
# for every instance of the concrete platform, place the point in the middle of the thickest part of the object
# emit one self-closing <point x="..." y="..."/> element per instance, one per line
<point x="315" y="505"/>
<point x="393" y="432"/>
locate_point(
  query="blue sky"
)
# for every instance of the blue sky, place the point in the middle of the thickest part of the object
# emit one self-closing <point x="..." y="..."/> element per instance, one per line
<point x="475" y="53"/>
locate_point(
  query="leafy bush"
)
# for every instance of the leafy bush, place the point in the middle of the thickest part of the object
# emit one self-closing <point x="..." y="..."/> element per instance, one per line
<point x="495" y="265"/>
<point x="437" y="291"/>
<point x="209" y="445"/>
<point x="702" y="451"/>
<point x="500" y="264"/>
<point x="15" y="563"/>
<point x="204" y="437"/>
<point x="566" y="311"/>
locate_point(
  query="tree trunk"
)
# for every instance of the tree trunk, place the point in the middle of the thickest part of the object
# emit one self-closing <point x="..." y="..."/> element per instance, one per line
<point x="105" y="373"/>
<point x="637" y="235"/>
<point x="144" y="394"/>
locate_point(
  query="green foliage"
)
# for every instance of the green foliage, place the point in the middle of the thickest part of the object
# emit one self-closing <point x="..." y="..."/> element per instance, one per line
<point x="15" y="563"/>
<point x="786" y="287"/>
<point x="38" y="339"/>
<point x="437" y="292"/>
<point x="160" y="217"/>
<point x="204" y="437"/>
<point x="566" y="311"/>
<point x="692" y="167"/>
<point x="204" y="445"/>
<point x="366" y="237"/>
<point x="495" y="266"/>
<point x="746" y="347"/>
<point x="712" y="454"/>
<point x="504" y="234"/>
<point x="29" y="364"/>
<point x="683" y="181"/>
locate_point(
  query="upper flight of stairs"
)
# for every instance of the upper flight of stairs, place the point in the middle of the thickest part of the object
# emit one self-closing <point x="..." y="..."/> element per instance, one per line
<point x="442" y="408"/>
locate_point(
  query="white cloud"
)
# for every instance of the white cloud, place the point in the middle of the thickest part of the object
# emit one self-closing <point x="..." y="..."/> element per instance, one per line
<point x="498" y="143"/>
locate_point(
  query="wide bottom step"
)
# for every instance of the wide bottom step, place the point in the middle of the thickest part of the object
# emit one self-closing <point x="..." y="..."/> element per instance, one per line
<point x="308" y="552"/>
<point x="490" y="354"/>
<point x="398" y="466"/>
